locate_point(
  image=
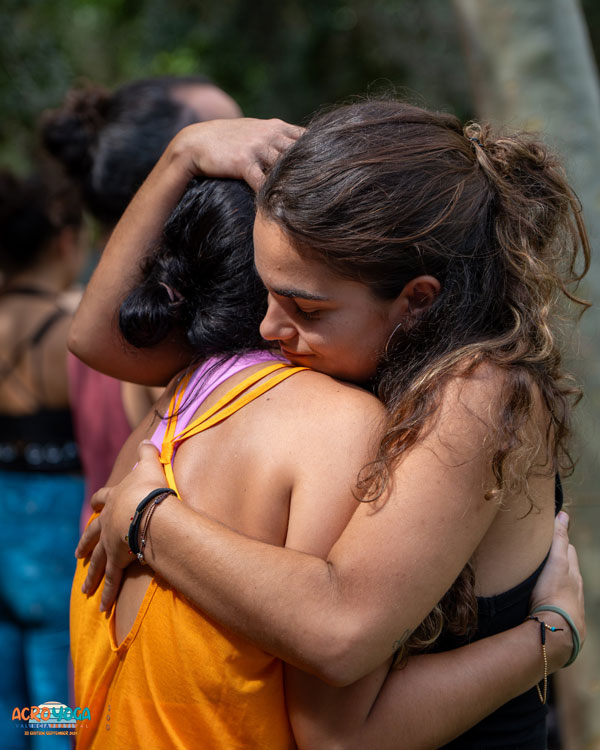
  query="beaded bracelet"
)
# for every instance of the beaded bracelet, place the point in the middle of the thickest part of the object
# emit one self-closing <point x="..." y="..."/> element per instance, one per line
<point x="543" y="627"/>
<point x="155" y="497"/>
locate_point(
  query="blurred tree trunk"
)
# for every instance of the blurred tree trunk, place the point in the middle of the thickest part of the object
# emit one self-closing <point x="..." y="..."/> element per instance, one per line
<point x="531" y="66"/>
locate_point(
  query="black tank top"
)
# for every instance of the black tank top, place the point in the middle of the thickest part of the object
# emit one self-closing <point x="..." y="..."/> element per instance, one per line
<point x="521" y="723"/>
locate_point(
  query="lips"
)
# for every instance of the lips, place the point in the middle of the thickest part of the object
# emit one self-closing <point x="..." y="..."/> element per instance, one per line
<point x="292" y="355"/>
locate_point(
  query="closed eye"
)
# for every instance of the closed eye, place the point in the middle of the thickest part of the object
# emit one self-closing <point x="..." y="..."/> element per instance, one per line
<point x="308" y="314"/>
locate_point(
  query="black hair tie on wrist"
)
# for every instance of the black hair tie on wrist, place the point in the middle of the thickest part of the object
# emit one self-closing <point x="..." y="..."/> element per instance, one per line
<point x="157" y="496"/>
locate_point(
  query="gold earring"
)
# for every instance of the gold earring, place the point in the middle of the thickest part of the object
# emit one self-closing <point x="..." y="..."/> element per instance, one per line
<point x="391" y="336"/>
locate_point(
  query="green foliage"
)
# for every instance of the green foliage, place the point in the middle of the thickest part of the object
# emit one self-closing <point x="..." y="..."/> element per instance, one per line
<point x="277" y="59"/>
<point x="282" y="58"/>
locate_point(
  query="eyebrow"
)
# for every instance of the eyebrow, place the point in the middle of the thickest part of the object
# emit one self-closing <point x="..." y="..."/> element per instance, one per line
<point x="301" y="294"/>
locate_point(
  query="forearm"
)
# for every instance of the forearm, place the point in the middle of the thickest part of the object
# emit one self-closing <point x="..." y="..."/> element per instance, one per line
<point x="435" y="698"/>
<point x="288" y="603"/>
<point x="445" y="694"/>
<point x="95" y="337"/>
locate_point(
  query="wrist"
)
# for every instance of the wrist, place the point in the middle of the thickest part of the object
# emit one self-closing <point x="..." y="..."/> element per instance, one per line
<point x="559" y="643"/>
<point x="137" y="535"/>
<point x="183" y="157"/>
<point x="161" y="526"/>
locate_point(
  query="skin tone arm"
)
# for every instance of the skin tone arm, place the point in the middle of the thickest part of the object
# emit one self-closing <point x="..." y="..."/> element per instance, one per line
<point x="437" y="697"/>
<point x="238" y="149"/>
<point x="337" y="618"/>
<point x="434" y="699"/>
<point x="464" y="685"/>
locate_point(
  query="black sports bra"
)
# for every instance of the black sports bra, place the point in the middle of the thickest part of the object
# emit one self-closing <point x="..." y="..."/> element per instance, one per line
<point x="520" y="723"/>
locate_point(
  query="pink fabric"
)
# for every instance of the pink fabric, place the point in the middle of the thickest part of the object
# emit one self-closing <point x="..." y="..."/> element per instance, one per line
<point x="100" y="424"/>
<point x="212" y="374"/>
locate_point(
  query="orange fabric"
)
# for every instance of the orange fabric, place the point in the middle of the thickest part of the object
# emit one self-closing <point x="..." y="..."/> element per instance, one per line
<point x="178" y="680"/>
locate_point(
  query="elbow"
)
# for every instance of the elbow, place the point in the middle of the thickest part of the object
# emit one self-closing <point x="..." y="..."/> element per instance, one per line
<point x="340" y="673"/>
<point x="343" y="655"/>
<point x="80" y="344"/>
<point x="74" y="340"/>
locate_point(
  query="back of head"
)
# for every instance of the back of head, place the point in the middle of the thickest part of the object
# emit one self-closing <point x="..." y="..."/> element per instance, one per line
<point x="32" y="212"/>
<point x="200" y="278"/>
<point x="111" y="141"/>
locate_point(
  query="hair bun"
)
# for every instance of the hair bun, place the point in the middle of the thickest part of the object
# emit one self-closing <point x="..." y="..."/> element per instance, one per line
<point x="70" y="132"/>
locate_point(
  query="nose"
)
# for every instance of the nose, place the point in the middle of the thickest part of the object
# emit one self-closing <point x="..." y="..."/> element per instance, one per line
<point x="276" y="325"/>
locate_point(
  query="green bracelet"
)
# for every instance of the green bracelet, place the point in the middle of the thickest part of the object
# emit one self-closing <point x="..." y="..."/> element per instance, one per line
<point x="570" y="623"/>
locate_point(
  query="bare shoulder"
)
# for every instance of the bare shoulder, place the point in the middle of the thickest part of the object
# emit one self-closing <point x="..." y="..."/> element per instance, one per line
<point x="472" y="399"/>
<point x="315" y="423"/>
<point x="472" y="407"/>
<point x="320" y="398"/>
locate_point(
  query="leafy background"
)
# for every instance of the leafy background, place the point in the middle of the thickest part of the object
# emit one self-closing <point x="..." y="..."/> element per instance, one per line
<point x="280" y="58"/>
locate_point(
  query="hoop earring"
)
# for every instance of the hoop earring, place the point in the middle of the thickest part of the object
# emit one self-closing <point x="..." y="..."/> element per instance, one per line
<point x="391" y="336"/>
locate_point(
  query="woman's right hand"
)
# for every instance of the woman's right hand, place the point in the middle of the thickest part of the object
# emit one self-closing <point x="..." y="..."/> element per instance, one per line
<point x="560" y="584"/>
<point x="241" y="148"/>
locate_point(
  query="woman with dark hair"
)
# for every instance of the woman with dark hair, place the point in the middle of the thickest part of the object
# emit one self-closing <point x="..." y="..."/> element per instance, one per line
<point x="108" y="142"/>
<point x="41" y="488"/>
<point x="400" y="251"/>
<point x="199" y="280"/>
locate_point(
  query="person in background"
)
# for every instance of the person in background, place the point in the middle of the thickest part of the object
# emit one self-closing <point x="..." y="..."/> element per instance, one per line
<point x="41" y="486"/>
<point x="108" y="142"/>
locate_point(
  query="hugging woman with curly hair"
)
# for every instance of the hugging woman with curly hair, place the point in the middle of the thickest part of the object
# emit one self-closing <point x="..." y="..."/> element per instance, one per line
<point x="428" y="264"/>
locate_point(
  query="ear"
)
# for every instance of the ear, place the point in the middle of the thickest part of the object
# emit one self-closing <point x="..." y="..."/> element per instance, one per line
<point x="417" y="296"/>
<point x="421" y="293"/>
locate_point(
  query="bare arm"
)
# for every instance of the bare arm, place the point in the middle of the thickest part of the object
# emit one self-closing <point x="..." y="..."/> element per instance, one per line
<point x="337" y="618"/>
<point x="434" y="699"/>
<point x="437" y="697"/>
<point x="221" y="148"/>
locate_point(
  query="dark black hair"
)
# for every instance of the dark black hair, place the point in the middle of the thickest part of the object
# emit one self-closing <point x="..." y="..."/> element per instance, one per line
<point x="110" y="141"/>
<point x="32" y="212"/>
<point x="200" y="276"/>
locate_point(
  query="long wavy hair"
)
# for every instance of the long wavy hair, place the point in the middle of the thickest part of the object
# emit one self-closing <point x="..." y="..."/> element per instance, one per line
<point x="382" y="192"/>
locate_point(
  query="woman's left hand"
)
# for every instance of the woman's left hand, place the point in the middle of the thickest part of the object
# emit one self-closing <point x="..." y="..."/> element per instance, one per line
<point x="104" y="537"/>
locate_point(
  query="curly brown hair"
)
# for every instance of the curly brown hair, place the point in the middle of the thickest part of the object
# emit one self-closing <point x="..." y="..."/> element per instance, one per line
<point x="382" y="192"/>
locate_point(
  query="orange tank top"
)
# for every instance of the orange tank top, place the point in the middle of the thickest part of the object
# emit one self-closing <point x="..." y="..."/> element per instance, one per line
<point x="178" y="680"/>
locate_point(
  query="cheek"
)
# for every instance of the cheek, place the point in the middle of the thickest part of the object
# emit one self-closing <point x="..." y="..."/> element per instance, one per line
<point x="371" y="339"/>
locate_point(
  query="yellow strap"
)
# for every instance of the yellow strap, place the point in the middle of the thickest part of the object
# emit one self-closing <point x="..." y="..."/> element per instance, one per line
<point x="232" y="394"/>
<point x="166" y="453"/>
<point x="223" y="409"/>
<point x="170" y="477"/>
<point x="174" y="405"/>
<point x="206" y="420"/>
